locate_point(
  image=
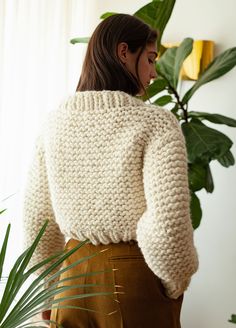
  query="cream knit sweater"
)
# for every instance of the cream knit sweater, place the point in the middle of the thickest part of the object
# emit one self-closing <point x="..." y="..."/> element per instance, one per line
<point x="110" y="168"/>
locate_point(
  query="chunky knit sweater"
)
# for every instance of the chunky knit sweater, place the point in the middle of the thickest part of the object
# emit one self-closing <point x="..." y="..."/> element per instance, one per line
<point x="110" y="168"/>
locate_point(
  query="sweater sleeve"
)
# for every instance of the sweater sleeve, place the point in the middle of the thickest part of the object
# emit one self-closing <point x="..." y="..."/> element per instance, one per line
<point x="164" y="231"/>
<point x="37" y="208"/>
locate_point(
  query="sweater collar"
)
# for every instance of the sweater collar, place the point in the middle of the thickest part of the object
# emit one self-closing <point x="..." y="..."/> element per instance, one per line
<point x="105" y="99"/>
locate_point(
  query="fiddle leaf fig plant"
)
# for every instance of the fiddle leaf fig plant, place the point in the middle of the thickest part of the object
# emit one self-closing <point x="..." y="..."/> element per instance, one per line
<point x="155" y="13"/>
<point x="204" y="144"/>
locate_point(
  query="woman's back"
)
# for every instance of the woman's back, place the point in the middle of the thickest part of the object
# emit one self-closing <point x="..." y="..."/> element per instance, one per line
<point x="109" y="168"/>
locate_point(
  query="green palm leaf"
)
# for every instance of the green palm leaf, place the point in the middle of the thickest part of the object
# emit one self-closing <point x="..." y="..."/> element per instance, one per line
<point x="34" y="300"/>
<point x="2" y="211"/>
<point x="3" y="250"/>
<point x="35" y="287"/>
<point x="16" y="279"/>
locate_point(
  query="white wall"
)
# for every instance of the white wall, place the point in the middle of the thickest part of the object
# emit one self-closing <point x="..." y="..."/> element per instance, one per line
<point x="211" y="297"/>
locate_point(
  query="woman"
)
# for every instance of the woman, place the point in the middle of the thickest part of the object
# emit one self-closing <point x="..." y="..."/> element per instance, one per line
<point x="112" y="169"/>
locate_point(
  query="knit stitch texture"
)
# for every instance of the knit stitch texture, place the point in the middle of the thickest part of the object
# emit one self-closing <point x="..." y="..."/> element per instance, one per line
<point x="110" y="168"/>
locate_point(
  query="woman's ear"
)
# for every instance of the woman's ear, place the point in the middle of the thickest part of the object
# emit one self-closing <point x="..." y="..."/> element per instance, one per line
<point x="122" y="52"/>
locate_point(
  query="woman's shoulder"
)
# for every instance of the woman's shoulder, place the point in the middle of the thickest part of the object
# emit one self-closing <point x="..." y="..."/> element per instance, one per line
<point x="114" y="105"/>
<point x="160" y="120"/>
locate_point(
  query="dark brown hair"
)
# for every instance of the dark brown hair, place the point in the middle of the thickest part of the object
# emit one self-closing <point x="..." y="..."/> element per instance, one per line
<point x="102" y="68"/>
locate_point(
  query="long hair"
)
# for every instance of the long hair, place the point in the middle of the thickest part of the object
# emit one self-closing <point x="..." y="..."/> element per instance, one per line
<point x="102" y="68"/>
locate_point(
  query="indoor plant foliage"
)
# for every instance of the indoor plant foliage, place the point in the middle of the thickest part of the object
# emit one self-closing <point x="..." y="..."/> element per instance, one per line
<point x="38" y="296"/>
<point x="204" y="144"/>
<point x="233" y="318"/>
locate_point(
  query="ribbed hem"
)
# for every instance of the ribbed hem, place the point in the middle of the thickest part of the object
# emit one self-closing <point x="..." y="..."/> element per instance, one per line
<point x="102" y="237"/>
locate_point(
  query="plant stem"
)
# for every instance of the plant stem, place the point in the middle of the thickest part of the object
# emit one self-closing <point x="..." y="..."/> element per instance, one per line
<point x="180" y="104"/>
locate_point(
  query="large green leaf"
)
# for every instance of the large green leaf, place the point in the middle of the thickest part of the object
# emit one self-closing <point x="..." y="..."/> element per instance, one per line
<point x="200" y="177"/>
<point x="227" y="159"/>
<point x="182" y="53"/>
<point x="156" y="14"/>
<point x="203" y="143"/>
<point x="171" y="61"/>
<point x="196" y="211"/>
<point x="164" y="100"/>
<point x="157" y="86"/>
<point x="214" y="118"/>
<point x="218" y="67"/>
<point x="165" y="65"/>
<point x="197" y="176"/>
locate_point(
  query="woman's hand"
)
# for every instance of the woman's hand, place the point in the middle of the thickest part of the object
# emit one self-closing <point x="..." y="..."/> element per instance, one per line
<point x="46" y="315"/>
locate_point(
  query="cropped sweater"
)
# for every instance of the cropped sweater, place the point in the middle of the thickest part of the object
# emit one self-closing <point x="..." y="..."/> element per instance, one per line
<point x="108" y="167"/>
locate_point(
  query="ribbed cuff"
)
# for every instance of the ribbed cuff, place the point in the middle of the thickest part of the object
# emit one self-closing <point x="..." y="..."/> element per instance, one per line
<point x="175" y="289"/>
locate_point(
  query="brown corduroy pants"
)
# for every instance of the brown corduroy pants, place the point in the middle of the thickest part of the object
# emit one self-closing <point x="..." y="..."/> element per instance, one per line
<point x="140" y="302"/>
